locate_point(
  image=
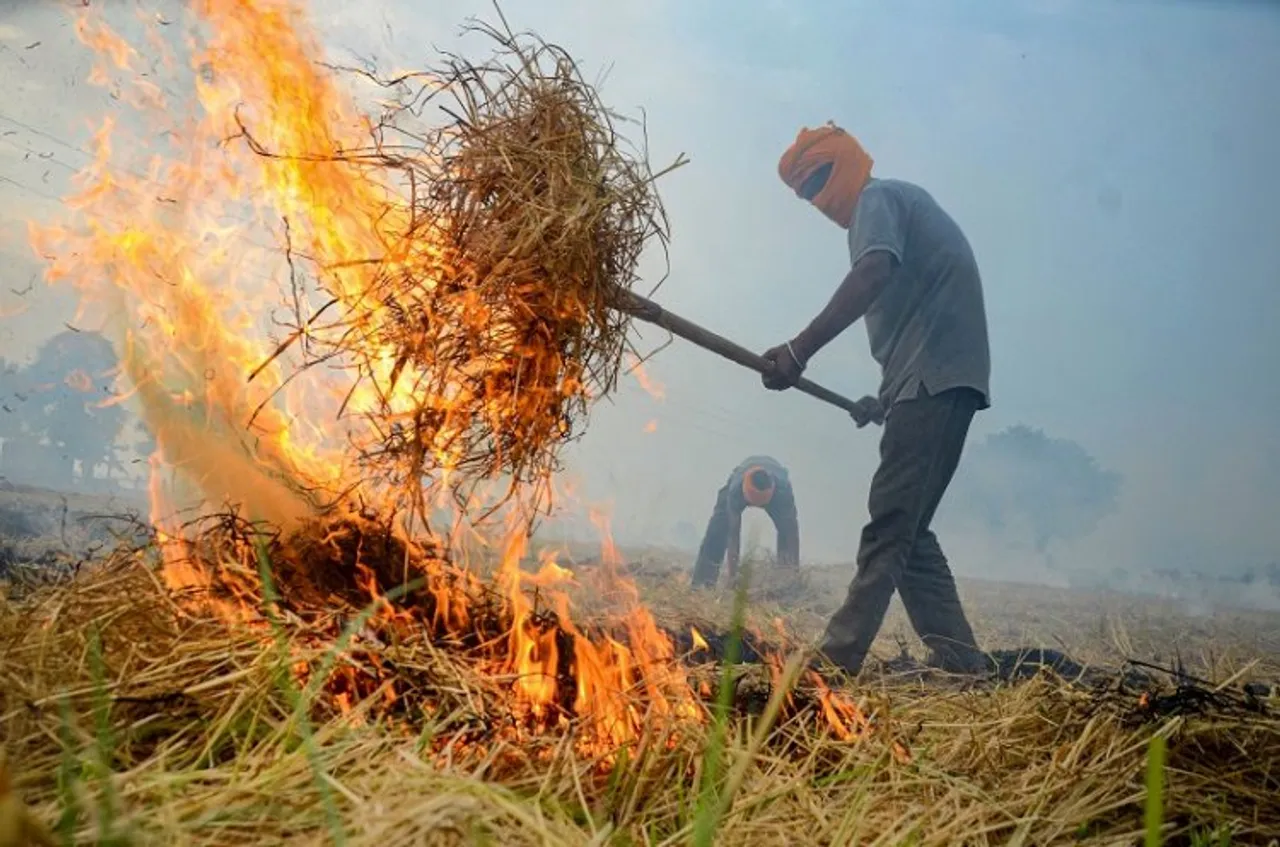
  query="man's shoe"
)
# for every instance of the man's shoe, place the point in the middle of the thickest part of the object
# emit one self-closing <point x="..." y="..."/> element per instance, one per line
<point x="971" y="662"/>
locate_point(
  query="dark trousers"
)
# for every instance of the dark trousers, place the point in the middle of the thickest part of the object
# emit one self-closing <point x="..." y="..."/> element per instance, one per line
<point x="725" y="523"/>
<point x="919" y="451"/>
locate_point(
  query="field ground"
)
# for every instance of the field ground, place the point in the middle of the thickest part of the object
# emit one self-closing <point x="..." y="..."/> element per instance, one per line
<point x="171" y="730"/>
<point x="1093" y="626"/>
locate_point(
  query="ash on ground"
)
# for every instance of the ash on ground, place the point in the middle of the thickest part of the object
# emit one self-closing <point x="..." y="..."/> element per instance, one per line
<point x="45" y="536"/>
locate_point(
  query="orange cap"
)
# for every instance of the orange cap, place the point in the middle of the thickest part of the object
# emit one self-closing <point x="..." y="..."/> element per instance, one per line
<point x="757" y="496"/>
<point x="850" y="169"/>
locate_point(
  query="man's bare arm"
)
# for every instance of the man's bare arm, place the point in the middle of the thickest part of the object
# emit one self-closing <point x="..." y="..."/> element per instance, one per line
<point x="860" y="288"/>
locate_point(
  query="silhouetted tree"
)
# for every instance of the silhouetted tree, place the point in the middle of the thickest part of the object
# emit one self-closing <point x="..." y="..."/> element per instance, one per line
<point x="133" y="449"/>
<point x="686" y="534"/>
<point x="60" y="416"/>
<point x="10" y="405"/>
<point x="146" y="443"/>
<point x="11" y="420"/>
<point x="1020" y="480"/>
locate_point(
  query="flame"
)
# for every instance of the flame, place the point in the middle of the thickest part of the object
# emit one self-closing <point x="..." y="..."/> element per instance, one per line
<point x="605" y="672"/>
<point x="80" y="381"/>
<point x="699" y="643"/>
<point x="647" y="382"/>
<point x="844" y="716"/>
<point x="156" y="252"/>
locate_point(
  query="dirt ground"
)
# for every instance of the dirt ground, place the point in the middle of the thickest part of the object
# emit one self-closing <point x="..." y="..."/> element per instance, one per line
<point x="1098" y="627"/>
<point x="43" y="533"/>
<point x="1041" y="762"/>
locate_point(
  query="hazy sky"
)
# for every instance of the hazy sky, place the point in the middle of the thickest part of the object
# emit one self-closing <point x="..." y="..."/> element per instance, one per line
<point x="1113" y="165"/>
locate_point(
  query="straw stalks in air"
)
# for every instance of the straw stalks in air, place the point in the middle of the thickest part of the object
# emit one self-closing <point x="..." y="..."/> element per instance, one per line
<point x="487" y="330"/>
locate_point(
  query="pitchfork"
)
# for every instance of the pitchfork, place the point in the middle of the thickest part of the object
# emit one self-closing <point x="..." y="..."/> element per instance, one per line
<point x="650" y="312"/>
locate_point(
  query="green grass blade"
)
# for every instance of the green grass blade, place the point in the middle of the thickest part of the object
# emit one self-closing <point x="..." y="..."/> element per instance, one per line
<point x="1154" y="814"/>
<point x="299" y="701"/>
<point x="294" y="698"/>
<point x="709" y="809"/>
<point x="104" y="744"/>
<point x="68" y="766"/>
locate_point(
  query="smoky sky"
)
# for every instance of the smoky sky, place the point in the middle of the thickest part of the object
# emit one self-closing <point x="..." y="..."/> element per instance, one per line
<point x="1112" y="164"/>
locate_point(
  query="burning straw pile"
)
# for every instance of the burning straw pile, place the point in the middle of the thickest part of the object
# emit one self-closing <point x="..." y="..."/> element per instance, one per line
<point x="599" y="682"/>
<point x="487" y="328"/>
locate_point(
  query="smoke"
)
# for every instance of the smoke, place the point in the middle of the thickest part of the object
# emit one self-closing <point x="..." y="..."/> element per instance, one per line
<point x="60" y="421"/>
<point x="1029" y="506"/>
<point x="1025" y="487"/>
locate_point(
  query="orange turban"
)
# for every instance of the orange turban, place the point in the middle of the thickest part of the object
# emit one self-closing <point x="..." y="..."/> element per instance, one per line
<point x="757" y="496"/>
<point x="850" y="169"/>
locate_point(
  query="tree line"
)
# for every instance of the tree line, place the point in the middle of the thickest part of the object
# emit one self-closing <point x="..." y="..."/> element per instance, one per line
<point x="61" y="424"/>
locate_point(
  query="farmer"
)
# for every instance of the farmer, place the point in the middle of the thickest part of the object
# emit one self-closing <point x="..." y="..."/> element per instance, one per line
<point x="915" y="280"/>
<point x="762" y="482"/>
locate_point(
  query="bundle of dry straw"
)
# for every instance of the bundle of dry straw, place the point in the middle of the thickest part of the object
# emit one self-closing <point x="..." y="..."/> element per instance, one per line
<point x="526" y="212"/>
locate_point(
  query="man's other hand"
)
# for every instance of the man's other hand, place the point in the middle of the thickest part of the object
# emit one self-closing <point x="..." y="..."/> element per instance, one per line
<point x="784" y="371"/>
<point x="867" y="410"/>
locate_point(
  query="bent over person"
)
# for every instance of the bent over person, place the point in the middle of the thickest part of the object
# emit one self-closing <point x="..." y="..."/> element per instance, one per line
<point x="761" y="482"/>
<point x="916" y="282"/>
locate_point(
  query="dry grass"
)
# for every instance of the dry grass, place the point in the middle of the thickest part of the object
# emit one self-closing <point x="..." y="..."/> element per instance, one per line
<point x="46" y="534"/>
<point x="128" y="721"/>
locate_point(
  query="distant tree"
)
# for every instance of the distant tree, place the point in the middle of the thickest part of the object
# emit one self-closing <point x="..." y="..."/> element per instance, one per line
<point x="10" y="407"/>
<point x="10" y="412"/>
<point x="1021" y="481"/>
<point x="146" y="443"/>
<point x="60" y="411"/>
<point x="685" y="534"/>
<point x="133" y="449"/>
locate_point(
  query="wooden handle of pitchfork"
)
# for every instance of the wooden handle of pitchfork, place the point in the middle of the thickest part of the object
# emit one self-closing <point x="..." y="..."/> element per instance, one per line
<point x="650" y="312"/>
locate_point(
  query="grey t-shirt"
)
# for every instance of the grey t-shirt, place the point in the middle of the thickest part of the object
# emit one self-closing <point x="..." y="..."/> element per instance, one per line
<point x="929" y="325"/>
<point x="736" y="498"/>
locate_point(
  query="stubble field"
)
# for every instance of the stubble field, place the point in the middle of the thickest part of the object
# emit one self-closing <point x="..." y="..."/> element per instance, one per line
<point x="126" y="717"/>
